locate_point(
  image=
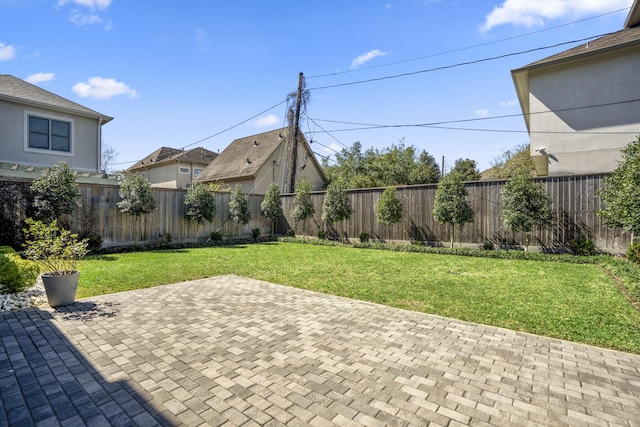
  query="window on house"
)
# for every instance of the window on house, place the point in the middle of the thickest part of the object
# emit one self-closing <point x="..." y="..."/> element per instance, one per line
<point x="49" y="134"/>
<point x="184" y="170"/>
<point x="196" y="172"/>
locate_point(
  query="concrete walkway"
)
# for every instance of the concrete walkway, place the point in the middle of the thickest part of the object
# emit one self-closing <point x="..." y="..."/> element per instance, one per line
<point x="239" y="352"/>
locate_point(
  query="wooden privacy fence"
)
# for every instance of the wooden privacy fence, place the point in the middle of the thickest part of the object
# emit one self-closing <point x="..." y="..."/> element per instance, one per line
<point x="574" y="202"/>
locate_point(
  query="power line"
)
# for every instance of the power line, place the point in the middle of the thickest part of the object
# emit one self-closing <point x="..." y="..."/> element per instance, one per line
<point x="466" y="48"/>
<point x="334" y="138"/>
<point x="460" y="64"/>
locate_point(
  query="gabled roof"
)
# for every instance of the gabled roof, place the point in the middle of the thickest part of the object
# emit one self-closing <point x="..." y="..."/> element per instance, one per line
<point x="164" y="155"/>
<point x="244" y="157"/>
<point x="17" y="90"/>
<point x="633" y="19"/>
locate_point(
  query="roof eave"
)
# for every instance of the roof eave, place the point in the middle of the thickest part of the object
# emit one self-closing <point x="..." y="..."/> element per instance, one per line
<point x="633" y="18"/>
<point x="95" y="115"/>
<point x="521" y="82"/>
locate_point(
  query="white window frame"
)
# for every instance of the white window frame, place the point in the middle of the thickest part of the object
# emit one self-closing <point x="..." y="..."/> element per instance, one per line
<point x="49" y="151"/>
<point x="184" y="169"/>
<point x="197" y="172"/>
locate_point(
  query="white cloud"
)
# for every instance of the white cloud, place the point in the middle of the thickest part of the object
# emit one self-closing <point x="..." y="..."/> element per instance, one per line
<point x="82" y="19"/>
<point x="482" y="113"/>
<point x="7" y="52"/>
<point x="534" y="13"/>
<point x="367" y="57"/>
<point x="101" y="88"/>
<point x="268" y="120"/>
<point x="333" y="148"/>
<point x="511" y="103"/>
<point x="91" y="4"/>
<point x="40" y="78"/>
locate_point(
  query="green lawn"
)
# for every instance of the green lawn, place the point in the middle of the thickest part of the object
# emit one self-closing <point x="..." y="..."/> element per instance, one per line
<point x="568" y="301"/>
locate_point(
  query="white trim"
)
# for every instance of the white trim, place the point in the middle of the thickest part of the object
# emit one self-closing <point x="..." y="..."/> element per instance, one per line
<point x="48" y="151"/>
<point x="184" y="170"/>
<point x="199" y="172"/>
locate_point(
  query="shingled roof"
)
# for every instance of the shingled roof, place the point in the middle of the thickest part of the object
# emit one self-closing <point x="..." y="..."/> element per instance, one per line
<point x="244" y="157"/>
<point x="167" y="154"/>
<point x="16" y="90"/>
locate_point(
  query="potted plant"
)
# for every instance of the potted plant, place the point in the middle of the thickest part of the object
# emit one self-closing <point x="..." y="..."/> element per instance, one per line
<point x="57" y="252"/>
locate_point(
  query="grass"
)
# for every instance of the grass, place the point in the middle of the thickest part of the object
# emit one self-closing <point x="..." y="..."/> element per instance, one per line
<point x="562" y="300"/>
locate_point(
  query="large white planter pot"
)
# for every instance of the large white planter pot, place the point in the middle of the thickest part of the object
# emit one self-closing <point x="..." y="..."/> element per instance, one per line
<point x="61" y="289"/>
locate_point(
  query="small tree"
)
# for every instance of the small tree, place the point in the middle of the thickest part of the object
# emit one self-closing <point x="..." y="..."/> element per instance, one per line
<point x="200" y="204"/>
<point x="525" y="204"/>
<point x="55" y="193"/>
<point x="136" y="197"/>
<point x="239" y="206"/>
<point x="621" y="192"/>
<point x="302" y="202"/>
<point x="272" y="205"/>
<point x="389" y="208"/>
<point x="336" y="205"/>
<point x="450" y="205"/>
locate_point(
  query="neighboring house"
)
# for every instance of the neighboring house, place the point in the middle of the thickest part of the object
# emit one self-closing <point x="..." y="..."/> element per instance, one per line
<point x="40" y="129"/>
<point x="173" y="168"/>
<point x="582" y="106"/>
<point x="256" y="161"/>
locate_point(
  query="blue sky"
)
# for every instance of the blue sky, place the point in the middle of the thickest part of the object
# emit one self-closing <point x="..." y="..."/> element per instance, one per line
<point x="173" y="73"/>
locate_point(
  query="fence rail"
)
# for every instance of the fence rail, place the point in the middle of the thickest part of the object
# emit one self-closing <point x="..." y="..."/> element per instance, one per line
<point x="574" y="202"/>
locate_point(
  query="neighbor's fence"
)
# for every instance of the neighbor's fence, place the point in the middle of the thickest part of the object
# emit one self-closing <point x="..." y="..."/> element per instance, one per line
<point x="574" y="202"/>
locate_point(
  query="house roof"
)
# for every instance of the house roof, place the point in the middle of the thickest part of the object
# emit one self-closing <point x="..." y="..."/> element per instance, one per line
<point x="17" y="90"/>
<point x="633" y="19"/>
<point x="164" y="155"/>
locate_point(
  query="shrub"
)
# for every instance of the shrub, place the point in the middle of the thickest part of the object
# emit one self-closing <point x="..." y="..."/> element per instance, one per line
<point x="488" y="246"/>
<point x="633" y="253"/>
<point x="165" y="238"/>
<point x="582" y="246"/>
<point x="322" y="235"/>
<point x="16" y="274"/>
<point x="215" y="236"/>
<point x="55" y="192"/>
<point x="56" y="250"/>
<point x="364" y="237"/>
<point x="389" y="208"/>
<point x="255" y="233"/>
<point x="290" y="233"/>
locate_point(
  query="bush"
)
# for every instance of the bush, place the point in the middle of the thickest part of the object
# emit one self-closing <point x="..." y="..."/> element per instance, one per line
<point x="322" y="235"/>
<point x="364" y="237"/>
<point x="488" y="246"/>
<point x="255" y="233"/>
<point x="94" y="241"/>
<point x="582" y="246"/>
<point x="290" y="233"/>
<point x="16" y="274"/>
<point x="633" y="253"/>
<point x="215" y="236"/>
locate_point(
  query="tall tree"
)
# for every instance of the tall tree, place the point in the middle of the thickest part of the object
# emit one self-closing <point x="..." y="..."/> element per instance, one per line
<point x="621" y="192"/>
<point x="136" y="197"/>
<point x="55" y="193"/>
<point x="450" y="205"/>
<point x="467" y="170"/>
<point x="200" y="205"/>
<point x="389" y="208"/>
<point x="272" y="205"/>
<point x="525" y="204"/>
<point x="426" y="171"/>
<point x="239" y="206"/>
<point x="512" y="163"/>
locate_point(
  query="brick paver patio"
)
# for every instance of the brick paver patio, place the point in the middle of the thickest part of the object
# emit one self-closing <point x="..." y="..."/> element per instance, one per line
<point x="240" y="352"/>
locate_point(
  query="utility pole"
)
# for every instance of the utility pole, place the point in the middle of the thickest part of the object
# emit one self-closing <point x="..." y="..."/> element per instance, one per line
<point x="442" y="173"/>
<point x="294" y="143"/>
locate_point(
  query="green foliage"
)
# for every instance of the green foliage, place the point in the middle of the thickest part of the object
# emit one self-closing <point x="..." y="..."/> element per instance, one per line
<point x="94" y="241"/>
<point x="16" y="274"/>
<point x="633" y="253"/>
<point x="290" y="233"/>
<point x="512" y="163"/>
<point x="364" y="237"/>
<point x="215" y="236"/>
<point x="582" y="246"/>
<point x="200" y="203"/>
<point x="136" y="196"/>
<point x="525" y="204"/>
<point x="55" y="192"/>
<point x="239" y="206"/>
<point x="272" y="204"/>
<point x="56" y="250"/>
<point x="255" y="233"/>
<point x="488" y="246"/>
<point x="322" y="235"/>
<point x="451" y="205"/>
<point x="621" y="192"/>
<point x="336" y="206"/>
<point x="389" y="208"/>
<point x="396" y="165"/>
<point x="467" y="169"/>
<point x="302" y="202"/>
